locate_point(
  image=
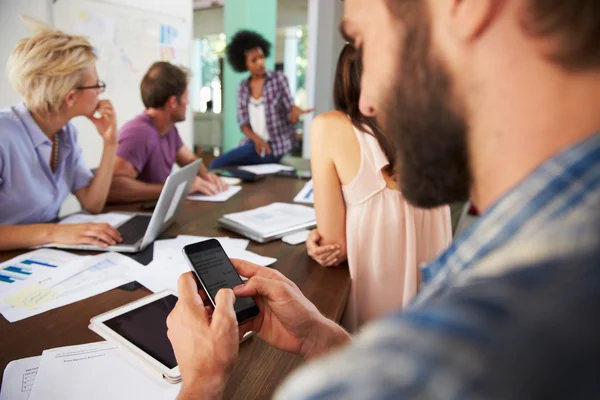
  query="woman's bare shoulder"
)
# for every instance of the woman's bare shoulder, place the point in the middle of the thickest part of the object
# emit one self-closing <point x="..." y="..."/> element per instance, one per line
<point x="331" y="126"/>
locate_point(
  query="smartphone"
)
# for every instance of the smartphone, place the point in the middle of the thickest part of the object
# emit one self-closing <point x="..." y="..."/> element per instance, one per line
<point x="215" y="271"/>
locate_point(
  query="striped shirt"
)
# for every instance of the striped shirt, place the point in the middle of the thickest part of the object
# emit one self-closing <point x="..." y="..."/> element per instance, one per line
<point x="278" y="106"/>
<point x="509" y="311"/>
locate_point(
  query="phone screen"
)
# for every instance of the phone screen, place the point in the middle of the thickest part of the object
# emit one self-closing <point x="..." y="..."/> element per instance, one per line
<point x="215" y="271"/>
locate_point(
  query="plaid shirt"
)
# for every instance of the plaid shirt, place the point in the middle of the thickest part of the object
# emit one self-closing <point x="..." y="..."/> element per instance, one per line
<point x="509" y="311"/>
<point x="278" y="105"/>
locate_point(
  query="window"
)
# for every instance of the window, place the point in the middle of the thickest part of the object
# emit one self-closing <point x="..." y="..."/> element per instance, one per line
<point x="206" y="69"/>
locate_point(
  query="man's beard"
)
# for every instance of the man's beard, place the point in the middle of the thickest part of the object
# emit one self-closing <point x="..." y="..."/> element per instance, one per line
<point x="429" y="135"/>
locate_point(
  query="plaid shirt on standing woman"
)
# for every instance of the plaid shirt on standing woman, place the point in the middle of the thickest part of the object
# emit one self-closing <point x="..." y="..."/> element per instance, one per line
<point x="278" y="105"/>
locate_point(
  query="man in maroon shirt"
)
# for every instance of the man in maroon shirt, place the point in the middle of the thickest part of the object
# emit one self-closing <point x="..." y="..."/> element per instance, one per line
<point x="150" y="144"/>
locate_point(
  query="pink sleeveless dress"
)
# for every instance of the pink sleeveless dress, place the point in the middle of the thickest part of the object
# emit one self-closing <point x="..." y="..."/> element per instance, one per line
<point x="387" y="239"/>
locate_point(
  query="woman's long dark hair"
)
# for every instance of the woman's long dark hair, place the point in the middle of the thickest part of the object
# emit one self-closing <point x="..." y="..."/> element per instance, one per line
<point x="346" y="96"/>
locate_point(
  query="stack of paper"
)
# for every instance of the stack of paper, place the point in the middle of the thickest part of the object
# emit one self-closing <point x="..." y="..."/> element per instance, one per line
<point x="89" y="371"/>
<point x="169" y="262"/>
<point x="276" y="217"/>
<point x="265" y="169"/>
<point x="306" y="195"/>
<point x="52" y="279"/>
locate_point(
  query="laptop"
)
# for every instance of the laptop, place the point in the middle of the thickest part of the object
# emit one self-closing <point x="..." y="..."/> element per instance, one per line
<point x="141" y="229"/>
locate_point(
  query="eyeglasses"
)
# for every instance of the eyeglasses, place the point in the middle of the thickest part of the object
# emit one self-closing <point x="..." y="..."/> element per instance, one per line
<point x="99" y="86"/>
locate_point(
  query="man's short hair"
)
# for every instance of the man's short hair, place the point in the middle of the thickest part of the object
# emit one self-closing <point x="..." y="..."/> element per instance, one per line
<point x="574" y="23"/>
<point x="162" y="81"/>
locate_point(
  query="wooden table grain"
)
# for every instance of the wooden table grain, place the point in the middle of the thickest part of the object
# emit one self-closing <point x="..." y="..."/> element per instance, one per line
<point x="260" y="368"/>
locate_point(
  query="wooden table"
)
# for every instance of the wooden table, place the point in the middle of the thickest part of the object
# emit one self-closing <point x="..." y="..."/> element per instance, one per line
<point x="260" y="368"/>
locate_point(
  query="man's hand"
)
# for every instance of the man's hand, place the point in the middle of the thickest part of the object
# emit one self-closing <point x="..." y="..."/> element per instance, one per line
<point x="216" y="181"/>
<point x="287" y="320"/>
<point x="327" y="256"/>
<point x="203" y="186"/>
<point x="261" y="147"/>
<point x="106" y="124"/>
<point x="297" y="112"/>
<point x="206" y="349"/>
<point x="102" y="235"/>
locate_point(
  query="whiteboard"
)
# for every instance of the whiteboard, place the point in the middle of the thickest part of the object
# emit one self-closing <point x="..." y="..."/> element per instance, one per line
<point x="127" y="41"/>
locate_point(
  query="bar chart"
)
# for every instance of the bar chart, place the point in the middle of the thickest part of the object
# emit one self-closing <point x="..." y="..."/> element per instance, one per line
<point x="23" y="269"/>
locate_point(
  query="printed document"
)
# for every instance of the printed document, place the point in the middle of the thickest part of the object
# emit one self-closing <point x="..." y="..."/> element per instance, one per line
<point x="306" y="195"/>
<point x="95" y="371"/>
<point x="19" y="377"/>
<point x="274" y="217"/>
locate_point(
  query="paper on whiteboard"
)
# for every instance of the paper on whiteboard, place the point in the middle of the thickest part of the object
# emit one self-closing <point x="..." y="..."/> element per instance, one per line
<point x="97" y="27"/>
<point x="219" y="197"/>
<point x="306" y="195"/>
<point x="19" y="377"/>
<point x="95" y="371"/>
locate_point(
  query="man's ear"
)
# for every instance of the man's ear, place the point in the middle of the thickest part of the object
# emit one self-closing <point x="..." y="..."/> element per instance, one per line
<point x="172" y="102"/>
<point x="470" y="18"/>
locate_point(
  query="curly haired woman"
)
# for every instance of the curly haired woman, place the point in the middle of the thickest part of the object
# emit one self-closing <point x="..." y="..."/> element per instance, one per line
<point x="265" y="108"/>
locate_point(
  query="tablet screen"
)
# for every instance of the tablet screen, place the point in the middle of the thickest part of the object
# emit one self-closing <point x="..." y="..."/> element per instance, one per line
<point x="146" y="328"/>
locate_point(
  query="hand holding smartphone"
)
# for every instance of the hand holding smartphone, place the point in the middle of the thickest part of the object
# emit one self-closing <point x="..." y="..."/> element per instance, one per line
<point x="214" y="270"/>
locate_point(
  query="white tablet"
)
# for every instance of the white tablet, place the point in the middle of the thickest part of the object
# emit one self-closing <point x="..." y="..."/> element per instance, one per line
<point x="140" y="328"/>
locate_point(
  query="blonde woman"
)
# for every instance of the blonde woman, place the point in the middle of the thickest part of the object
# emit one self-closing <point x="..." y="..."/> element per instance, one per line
<point x="362" y="215"/>
<point x="41" y="161"/>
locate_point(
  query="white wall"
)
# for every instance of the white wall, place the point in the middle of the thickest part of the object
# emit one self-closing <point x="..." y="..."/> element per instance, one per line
<point x="324" y="46"/>
<point x="12" y="29"/>
<point x="210" y="21"/>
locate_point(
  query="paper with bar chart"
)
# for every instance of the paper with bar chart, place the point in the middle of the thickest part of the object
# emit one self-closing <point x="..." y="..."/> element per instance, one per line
<point x="306" y="195"/>
<point x="40" y="266"/>
<point x="93" y="275"/>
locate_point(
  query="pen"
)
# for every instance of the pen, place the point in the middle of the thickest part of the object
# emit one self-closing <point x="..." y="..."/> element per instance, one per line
<point x="262" y="153"/>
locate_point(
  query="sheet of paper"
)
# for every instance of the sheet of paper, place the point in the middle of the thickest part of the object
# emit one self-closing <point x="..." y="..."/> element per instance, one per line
<point x="171" y="249"/>
<point x="95" y="371"/>
<point x="32" y="297"/>
<point x="163" y="274"/>
<point x="19" y="377"/>
<point x="217" y="198"/>
<point x="227" y="242"/>
<point x="97" y="26"/>
<point x="265" y="169"/>
<point x="41" y="266"/>
<point x="296" y="238"/>
<point x="100" y="273"/>
<point x="253" y="258"/>
<point x="306" y="195"/>
<point x="113" y="219"/>
<point x="274" y="217"/>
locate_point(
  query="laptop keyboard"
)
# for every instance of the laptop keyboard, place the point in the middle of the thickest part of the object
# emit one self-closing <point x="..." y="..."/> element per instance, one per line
<point x="134" y="229"/>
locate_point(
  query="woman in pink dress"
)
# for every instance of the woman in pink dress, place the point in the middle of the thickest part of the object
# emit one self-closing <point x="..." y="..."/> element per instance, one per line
<point x="361" y="213"/>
